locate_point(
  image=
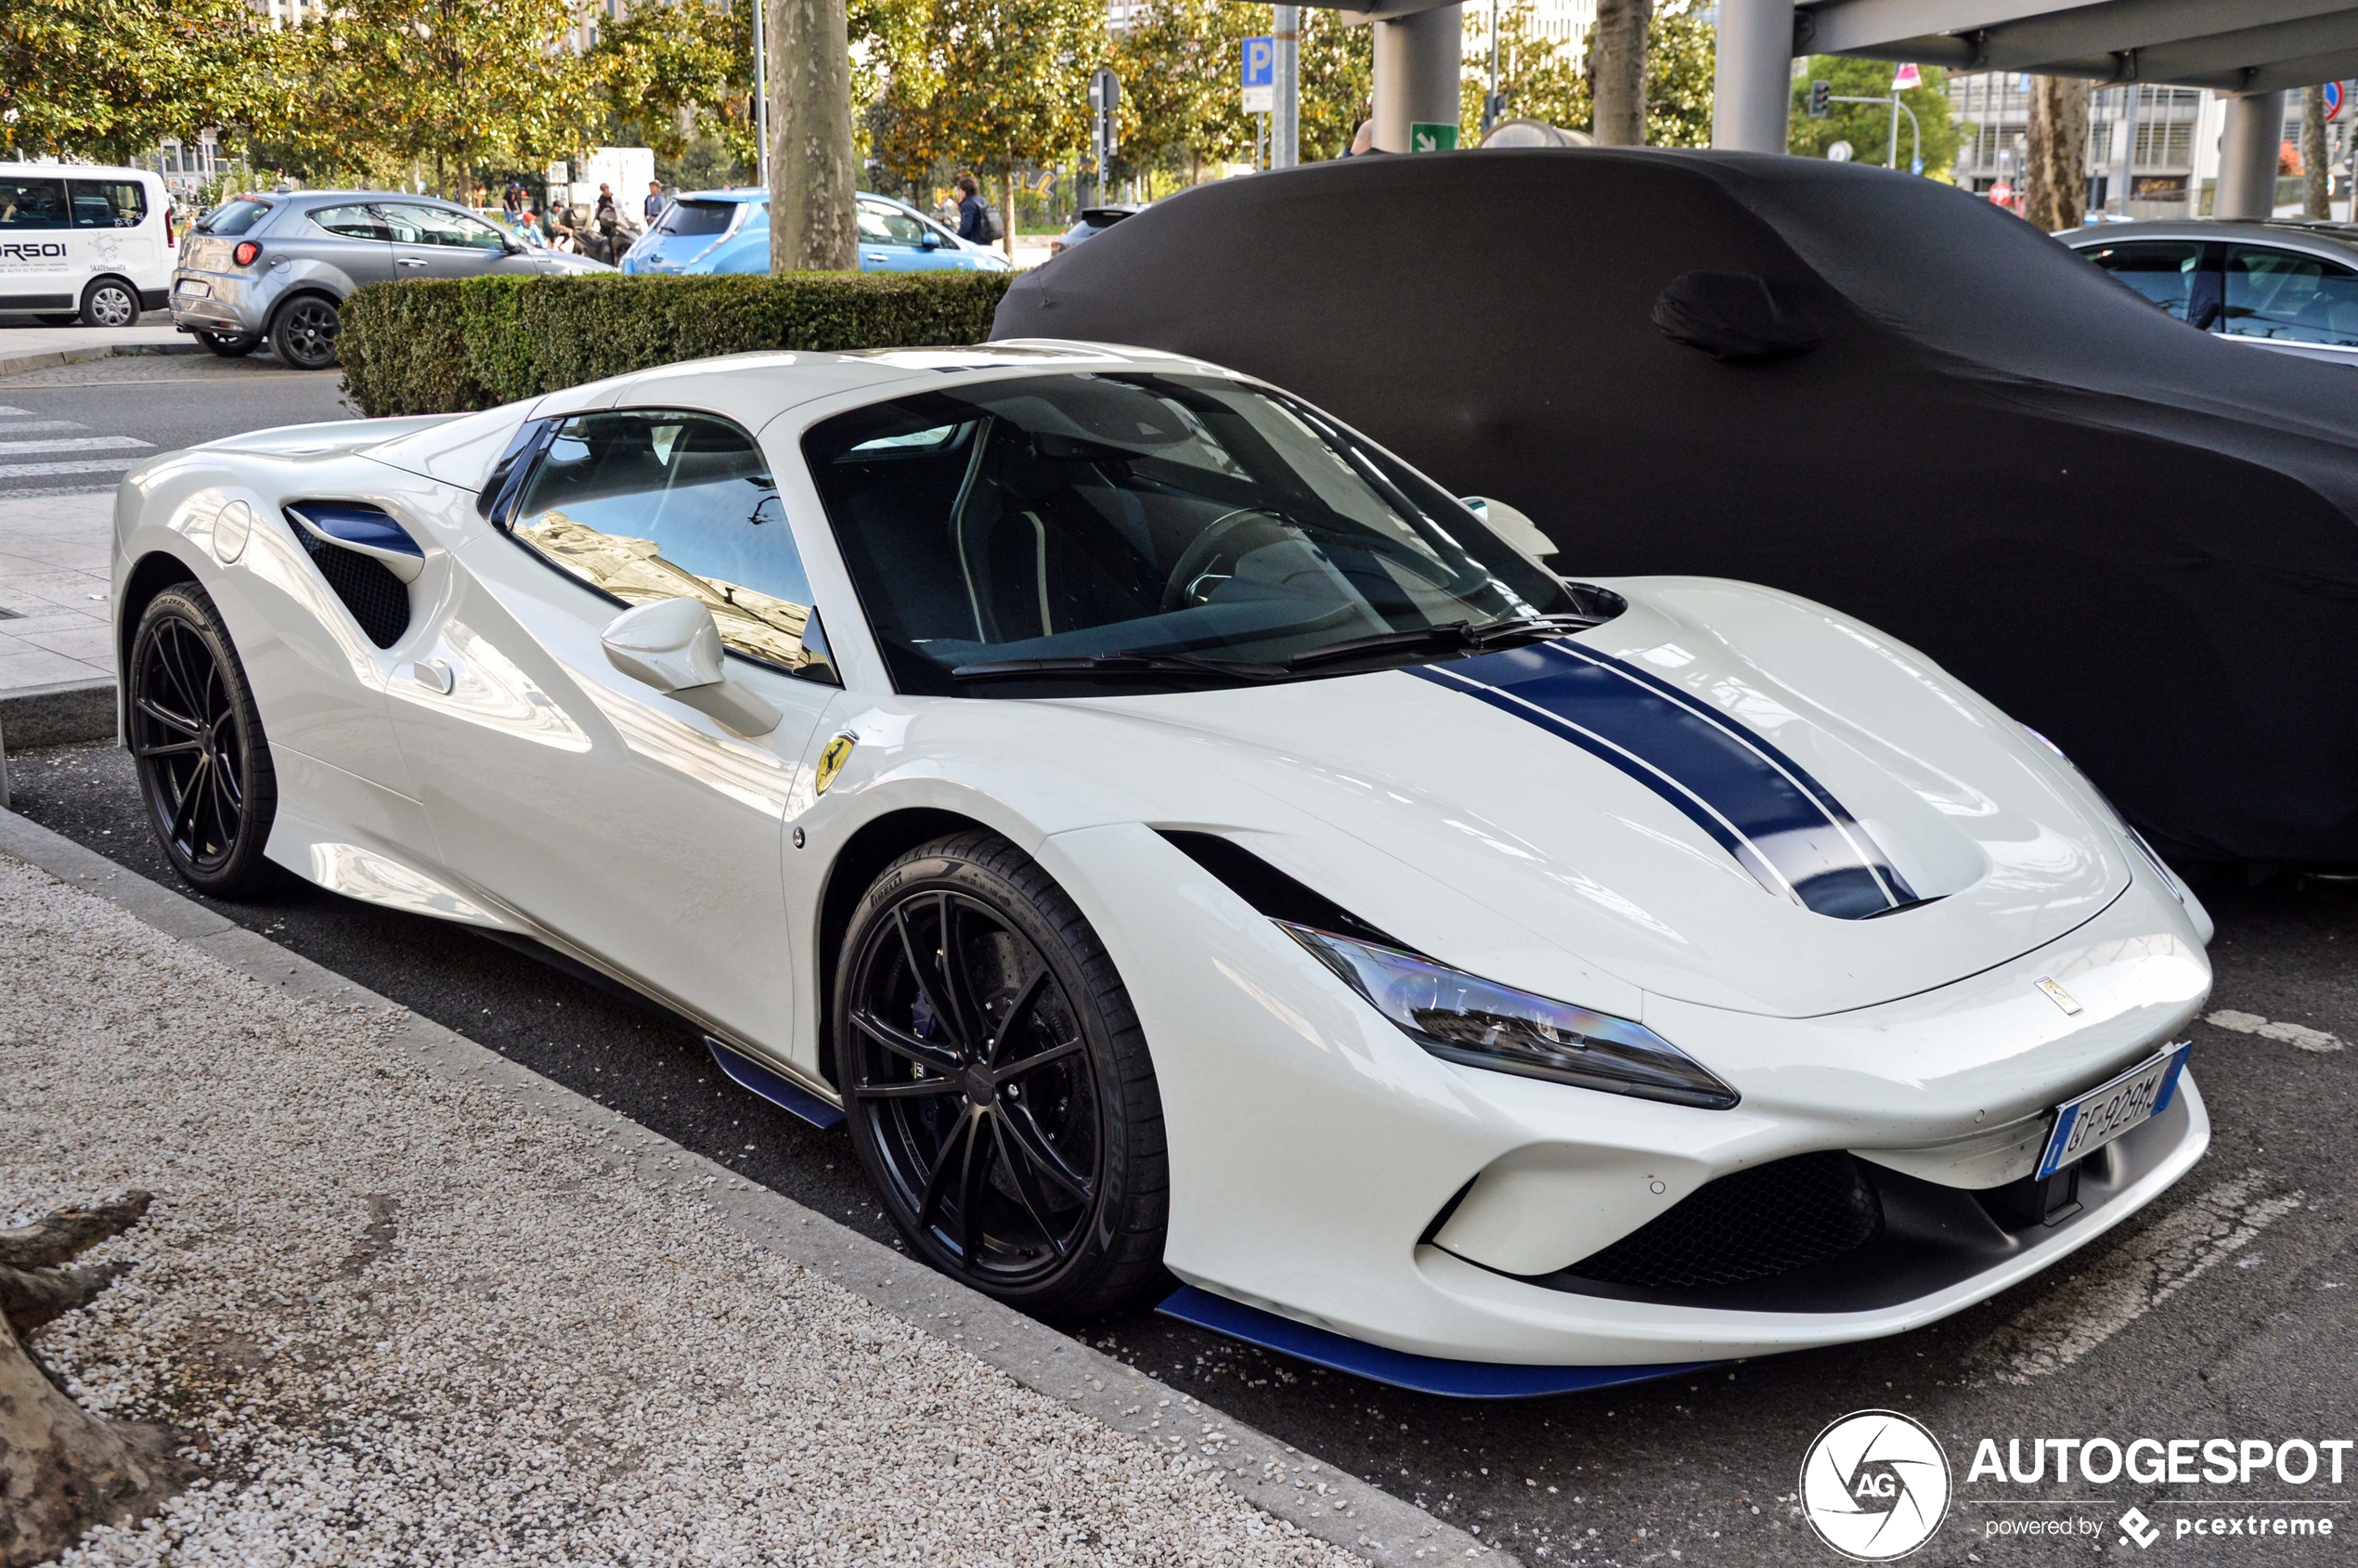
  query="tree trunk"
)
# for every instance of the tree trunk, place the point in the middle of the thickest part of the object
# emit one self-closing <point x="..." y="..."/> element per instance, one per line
<point x="2316" y="171"/>
<point x="812" y="179"/>
<point x="1617" y="73"/>
<point x="1007" y="212"/>
<point x="2056" y="153"/>
<point x="62" y="1468"/>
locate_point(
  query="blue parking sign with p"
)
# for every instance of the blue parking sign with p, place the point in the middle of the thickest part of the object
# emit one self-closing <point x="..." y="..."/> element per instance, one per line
<point x="1261" y="63"/>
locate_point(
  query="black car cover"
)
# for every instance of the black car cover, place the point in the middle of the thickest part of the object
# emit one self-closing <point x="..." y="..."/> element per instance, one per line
<point x="1868" y="389"/>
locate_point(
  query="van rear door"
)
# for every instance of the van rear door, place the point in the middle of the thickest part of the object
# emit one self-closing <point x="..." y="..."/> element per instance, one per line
<point x="36" y="262"/>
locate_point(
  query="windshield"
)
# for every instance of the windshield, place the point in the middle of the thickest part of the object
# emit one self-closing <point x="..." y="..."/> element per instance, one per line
<point x="689" y="219"/>
<point x="234" y="218"/>
<point x="1077" y="515"/>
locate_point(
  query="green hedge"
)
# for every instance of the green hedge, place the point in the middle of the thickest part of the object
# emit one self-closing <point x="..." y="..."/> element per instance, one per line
<point x="437" y="347"/>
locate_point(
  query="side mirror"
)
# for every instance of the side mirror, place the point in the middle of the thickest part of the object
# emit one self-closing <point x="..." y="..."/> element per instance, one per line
<point x="674" y="645"/>
<point x="1511" y="525"/>
<point x="930" y="240"/>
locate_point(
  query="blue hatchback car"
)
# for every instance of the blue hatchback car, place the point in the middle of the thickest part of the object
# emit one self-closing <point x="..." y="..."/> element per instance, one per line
<point x="728" y="231"/>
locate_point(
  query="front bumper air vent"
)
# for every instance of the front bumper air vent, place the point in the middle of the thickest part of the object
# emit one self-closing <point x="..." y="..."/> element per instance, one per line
<point x="1751" y="1224"/>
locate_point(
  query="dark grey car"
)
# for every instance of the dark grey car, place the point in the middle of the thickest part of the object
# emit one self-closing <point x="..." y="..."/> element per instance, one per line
<point x="274" y="267"/>
<point x="2288" y="285"/>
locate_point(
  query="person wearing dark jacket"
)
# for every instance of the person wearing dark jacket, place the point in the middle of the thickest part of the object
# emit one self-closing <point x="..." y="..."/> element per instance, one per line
<point x="973" y="223"/>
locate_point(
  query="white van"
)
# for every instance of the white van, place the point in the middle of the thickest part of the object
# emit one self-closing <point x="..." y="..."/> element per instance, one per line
<point x="83" y="243"/>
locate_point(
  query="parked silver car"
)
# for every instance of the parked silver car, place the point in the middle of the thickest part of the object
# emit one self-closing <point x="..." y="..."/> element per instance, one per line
<point x="274" y="267"/>
<point x="2288" y="285"/>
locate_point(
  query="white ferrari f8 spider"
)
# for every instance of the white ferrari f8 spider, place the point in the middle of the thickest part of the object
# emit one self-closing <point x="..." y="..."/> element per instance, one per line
<point x="1179" y="836"/>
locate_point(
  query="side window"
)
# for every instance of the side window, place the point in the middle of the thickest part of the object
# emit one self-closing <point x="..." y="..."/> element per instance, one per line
<point x="33" y="204"/>
<point x="881" y="225"/>
<point x="352" y="223"/>
<point x="109" y="203"/>
<point x="436" y="226"/>
<point x="645" y="505"/>
<point x="2295" y="298"/>
<point x="2165" y="271"/>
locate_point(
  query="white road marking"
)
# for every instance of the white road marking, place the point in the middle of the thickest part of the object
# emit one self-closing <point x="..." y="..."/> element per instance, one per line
<point x="2082" y="1310"/>
<point x="2300" y="1036"/>
<point x="74" y="444"/>
<point x="4" y="411"/>
<point x="41" y="424"/>
<point x="40" y="470"/>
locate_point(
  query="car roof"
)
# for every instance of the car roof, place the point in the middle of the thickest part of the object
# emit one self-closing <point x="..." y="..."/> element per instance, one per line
<point x="755" y="193"/>
<point x="2339" y="236"/>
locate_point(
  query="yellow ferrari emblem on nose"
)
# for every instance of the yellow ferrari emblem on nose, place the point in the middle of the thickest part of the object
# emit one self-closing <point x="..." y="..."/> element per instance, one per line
<point x="831" y="761"/>
<point x="2055" y="993"/>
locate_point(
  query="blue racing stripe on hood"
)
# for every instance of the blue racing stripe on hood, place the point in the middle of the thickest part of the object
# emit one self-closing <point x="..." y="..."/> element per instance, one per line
<point x="1763" y="808"/>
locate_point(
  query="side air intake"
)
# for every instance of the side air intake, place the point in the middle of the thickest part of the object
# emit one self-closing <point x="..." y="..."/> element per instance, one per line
<point x="1268" y="889"/>
<point x="367" y="557"/>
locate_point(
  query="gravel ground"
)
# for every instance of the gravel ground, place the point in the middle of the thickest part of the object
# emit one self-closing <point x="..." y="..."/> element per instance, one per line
<point x="402" y="1321"/>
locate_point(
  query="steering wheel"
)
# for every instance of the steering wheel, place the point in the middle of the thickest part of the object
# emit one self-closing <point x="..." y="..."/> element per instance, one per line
<point x="1210" y="544"/>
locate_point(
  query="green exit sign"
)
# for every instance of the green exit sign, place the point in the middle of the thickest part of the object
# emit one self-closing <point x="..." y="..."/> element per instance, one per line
<point x="1425" y="137"/>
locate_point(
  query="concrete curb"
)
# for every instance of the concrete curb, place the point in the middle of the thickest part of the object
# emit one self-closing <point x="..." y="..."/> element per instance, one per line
<point x="1312" y="1496"/>
<point x="59" y="714"/>
<point x="17" y="364"/>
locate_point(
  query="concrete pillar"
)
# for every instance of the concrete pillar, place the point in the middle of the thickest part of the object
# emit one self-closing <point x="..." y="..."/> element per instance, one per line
<point x="1752" y="87"/>
<point x="1285" y="124"/>
<point x="1418" y="60"/>
<point x="2247" y="156"/>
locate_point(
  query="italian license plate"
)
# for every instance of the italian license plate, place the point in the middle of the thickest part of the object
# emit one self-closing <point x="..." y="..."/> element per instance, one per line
<point x="194" y="289"/>
<point x="2104" y="1113"/>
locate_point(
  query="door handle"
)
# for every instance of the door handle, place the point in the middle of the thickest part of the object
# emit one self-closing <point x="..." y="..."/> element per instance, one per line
<point x="408" y="261"/>
<point x="876" y="255"/>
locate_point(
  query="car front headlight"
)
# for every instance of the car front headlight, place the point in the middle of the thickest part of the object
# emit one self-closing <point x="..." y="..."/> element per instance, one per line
<point x="1462" y="1017"/>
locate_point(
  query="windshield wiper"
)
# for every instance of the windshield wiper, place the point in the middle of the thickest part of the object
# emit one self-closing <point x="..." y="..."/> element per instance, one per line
<point x="1449" y="637"/>
<point x="1119" y="667"/>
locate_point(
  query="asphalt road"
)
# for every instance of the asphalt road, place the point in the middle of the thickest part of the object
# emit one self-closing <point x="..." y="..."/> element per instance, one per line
<point x="101" y="416"/>
<point x="2225" y="1311"/>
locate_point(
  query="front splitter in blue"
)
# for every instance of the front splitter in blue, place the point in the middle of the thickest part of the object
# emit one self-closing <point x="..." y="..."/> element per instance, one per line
<point x="745" y="1070"/>
<point x="1422" y="1374"/>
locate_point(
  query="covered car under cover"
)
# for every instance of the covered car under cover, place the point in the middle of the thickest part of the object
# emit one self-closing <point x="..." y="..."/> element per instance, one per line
<point x="1866" y="388"/>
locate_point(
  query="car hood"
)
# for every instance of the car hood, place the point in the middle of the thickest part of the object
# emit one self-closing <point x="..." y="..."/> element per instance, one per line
<point x="1581" y="793"/>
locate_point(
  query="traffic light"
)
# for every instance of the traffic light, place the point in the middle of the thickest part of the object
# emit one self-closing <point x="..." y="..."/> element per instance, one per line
<point x="1821" y="96"/>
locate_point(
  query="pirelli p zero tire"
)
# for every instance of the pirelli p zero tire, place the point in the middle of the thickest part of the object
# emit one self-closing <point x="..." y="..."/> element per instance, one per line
<point x="196" y="739"/>
<point x="1000" y="1091"/>
<point x="304" y="336"/>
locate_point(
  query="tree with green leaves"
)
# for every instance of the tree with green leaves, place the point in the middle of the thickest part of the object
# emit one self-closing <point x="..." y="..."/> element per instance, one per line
<point x="1181" y="108"/>
<point x="1538" y="77"/>
<point x="1867" y="126"/>
<point x="108" y="79"/>
<point x="1337" y="71"/>
<point x="1543" y="80"/>
<point x="453" y="86"/>
<point x="992" y="85"/>
<point x="671" y="74"/>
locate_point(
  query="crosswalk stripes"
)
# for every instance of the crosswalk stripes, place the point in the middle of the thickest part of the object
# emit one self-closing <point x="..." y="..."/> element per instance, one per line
<point x="64" y="457"/>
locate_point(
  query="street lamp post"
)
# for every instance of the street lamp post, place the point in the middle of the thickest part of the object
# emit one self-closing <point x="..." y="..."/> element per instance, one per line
<point x="762" y="93"/>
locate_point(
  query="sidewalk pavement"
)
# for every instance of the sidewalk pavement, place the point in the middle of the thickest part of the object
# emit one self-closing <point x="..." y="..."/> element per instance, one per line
<point x="56" y="656"/>
<point x="24" y="345"/>
<point x="408" y="1303"/>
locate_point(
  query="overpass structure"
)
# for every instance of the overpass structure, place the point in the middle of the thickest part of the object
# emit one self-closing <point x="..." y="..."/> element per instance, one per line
<point x="2249" y="51"/>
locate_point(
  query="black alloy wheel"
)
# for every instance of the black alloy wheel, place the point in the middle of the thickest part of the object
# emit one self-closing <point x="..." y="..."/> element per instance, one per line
<point x="196" y="738"/>
<point x="109" y="301"/>
<point x="304" y="335"/>
<point x="1000" y="1091"/>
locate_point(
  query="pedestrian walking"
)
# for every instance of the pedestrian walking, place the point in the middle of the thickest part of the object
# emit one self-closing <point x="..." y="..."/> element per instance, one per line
<point x="655" y="202"/>
<point x="605" y="201"/>
<point x="974" y="218"/>
<point x="511" y="200"/>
